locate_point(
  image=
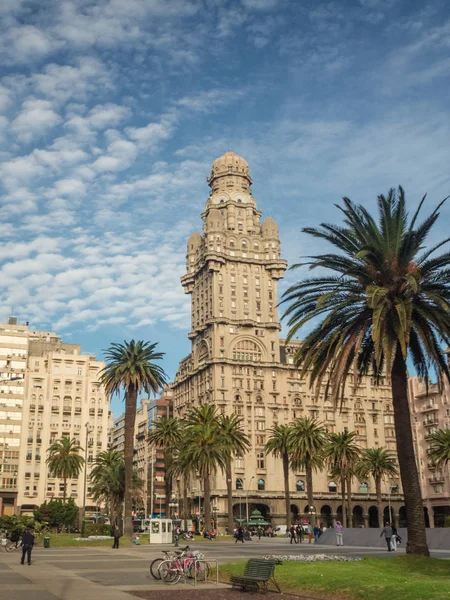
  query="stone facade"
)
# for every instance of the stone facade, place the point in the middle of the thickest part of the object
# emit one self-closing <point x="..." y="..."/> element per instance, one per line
<point x="239" y="363"/>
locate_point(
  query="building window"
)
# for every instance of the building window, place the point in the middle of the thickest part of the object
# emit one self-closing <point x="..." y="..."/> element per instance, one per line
<point x="332" y="488"/>
<point x="239" y="484"/>
<point x="363" y="488"/>
<point x="260" y="461"/>
<point x="300" y="485"/>
<point x="261" y="485"/>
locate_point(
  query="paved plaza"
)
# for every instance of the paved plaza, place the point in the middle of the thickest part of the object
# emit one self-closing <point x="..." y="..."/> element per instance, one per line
<point x="107" y="574"/>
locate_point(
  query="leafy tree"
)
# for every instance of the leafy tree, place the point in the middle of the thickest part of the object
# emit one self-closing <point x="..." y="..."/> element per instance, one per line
<point x="384" y="298"/>
<point x="379" y="463"/>
<point x="64" y="460"/>
<point x="307" y="445"/>
<point x="235" y="441"/>
<point x="57" y="514"/>
<point x="342" y="454"/>
<point x="180" y="468"/>
<point x="204" y="449"/>
<point x="132" y="366"/>
<point x="280" y="444"/>
<point x="16" y="523"/>
<point x="439" y="452"/>
<point x="166" y="435"/>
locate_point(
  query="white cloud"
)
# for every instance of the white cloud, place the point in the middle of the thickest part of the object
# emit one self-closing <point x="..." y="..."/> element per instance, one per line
<point x="35" y="118"/>
<point x="26" y="43"/>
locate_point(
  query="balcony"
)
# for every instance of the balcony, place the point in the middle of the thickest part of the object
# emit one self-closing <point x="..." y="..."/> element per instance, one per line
<point x="29" y="457"/>
<point x="429" y="407"/>
<point x="30" y="440"/>
<point x="41" y="408"/>
<point x="436" y="479"/>
<point x="38" y="441"/>
<point x="55" y="409"/>
<point x="54" y="425"/>
<point x="429" y="422"/>
<point x="77" y="410"/>
<point x="32" y="407"/>
<point x="67" y="410"/>
<point x="38" y="458"/>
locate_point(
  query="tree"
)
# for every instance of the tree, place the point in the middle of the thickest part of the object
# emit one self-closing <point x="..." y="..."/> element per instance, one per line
<point x="379" y="463"/>
<point x="132" y="366"/>
<point x="308" y="442"/>
<point x="235" y="441"/>
<point x="385" y="299"/>
<point x="342" y="453"/>
<point x="180" y="468"/>
<point x="439" y="452"/>
<point x="64" y="460"/>
<point x="204" y="449"/>
<point x="57" y="514"/>
<point x="279" y="444"/>
<point x="166" y="435"/>
<point x="108" y="483"/>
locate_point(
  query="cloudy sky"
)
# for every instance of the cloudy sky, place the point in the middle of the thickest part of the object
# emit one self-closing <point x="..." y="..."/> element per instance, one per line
<point x="112" y="111"/>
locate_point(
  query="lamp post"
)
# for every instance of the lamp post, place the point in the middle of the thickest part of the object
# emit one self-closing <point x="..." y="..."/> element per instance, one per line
<point x="83" y="513"/>
<point x="246" y="497"/>
<point x="312" y="512"/>
<point x="215" y="511"/>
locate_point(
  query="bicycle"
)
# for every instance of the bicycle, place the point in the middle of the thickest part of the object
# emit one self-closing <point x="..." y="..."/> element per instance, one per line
<point x="13" y="546"/>
<point x="171" y="571"/>
<point x="154" y="565"/>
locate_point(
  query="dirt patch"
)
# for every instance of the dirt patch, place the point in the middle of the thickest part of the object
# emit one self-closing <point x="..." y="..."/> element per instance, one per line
<point x="211" y="594"/>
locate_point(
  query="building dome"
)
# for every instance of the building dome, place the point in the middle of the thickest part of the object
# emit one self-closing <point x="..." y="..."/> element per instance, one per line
<point x="194" y="241"/>
<point x="229" y="164"/>
<point x="269" y="228"/>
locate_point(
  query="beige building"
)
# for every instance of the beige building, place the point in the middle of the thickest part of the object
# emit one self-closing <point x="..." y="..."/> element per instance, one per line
<point x="48" y="390"/>
<point x="431" y="411"/>
<point x="239" y="363"/>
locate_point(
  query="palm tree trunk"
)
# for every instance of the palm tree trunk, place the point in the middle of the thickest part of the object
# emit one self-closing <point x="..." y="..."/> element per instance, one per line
<point x="130" y="417"/>
<point x="185" y="503"/>
<point x="207" y="500"/>
<point x="349" y="502"/>
<point x="229" y="496"/>
<point x="417" y="541"/>
<point x="65" y="489"/>
<point x="379" y="501"/>
<point x="309" y="490"/>
<point x="286" y="489"/>
<point x="344" y="512"/>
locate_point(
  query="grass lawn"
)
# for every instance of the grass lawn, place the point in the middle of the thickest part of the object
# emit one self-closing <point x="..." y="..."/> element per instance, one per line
<point x="405" y="578"/>
<point x="60" y="540"/>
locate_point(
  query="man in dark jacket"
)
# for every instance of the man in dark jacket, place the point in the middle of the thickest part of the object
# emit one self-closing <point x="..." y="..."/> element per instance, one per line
<point x="387" y="532"/>
<point x="27" y="546"/>
<point x="116" y="536"/>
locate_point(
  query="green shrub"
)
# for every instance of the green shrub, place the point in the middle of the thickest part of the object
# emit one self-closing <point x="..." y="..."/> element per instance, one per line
<point x="447" y="521"/>
<point x="96" y="529"/>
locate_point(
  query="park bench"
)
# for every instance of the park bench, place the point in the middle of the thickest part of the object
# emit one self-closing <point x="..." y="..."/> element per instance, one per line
<point x="257" y="575"/>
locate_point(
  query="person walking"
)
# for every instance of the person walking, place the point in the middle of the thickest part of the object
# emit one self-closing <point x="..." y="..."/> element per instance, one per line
<point x="116" y="536"/>
<point x="387" y="532"/>
<point x="299" y="533"/>
<point x="293" y="534"/>
<point x="316" y="531"/>
<point x="27" y="546"/>
<point x="395" y="539"/>
<point x="339" y="534"/>
<point x="239" y="535"/>
<point x="259" y="531"/>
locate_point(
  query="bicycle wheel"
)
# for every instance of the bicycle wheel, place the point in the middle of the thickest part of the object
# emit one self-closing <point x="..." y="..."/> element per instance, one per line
<point x="154" y="568"/>
<point x="10" y="548"/>
<point x="168" y="572"/>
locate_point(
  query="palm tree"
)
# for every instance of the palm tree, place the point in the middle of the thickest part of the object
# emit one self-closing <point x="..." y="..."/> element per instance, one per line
<point x="342" y="453"/>
<point x="64" y="460"/>
<point x="386" y="299"/>
<point x="131" y="366"/>
<point x="180" y="468"/>
<point x="235" y="441"/>
<point x="204" y="449"/>
<point x="279" y="444"/>
<point x="378" y="462"/>
<point x="439" y="452"/>
<point x="166" y="435"/>
<point x="308" y="442"/>
<point x="108" y="483"/>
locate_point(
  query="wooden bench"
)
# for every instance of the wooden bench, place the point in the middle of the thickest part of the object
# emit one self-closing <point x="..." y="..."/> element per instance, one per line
<point x="257" y="575"/>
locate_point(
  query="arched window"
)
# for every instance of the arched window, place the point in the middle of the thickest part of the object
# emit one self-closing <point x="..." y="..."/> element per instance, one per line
<point x="239" y="484"/>
<point x="394" y="488"/>
<point x="296" y="402"/>
<point x="358" y="405"/>
<point x="332" y="487"/>
<point x="232" y="243"/>
<point x="363" y="487"/>
<point x="247" y="350"/>
<point x="261" y="485"/>
<point x="300" y="485"/>
<point x="388" y="408"/>
<point x="259" y="400"/>
<point x="244" y="245"/>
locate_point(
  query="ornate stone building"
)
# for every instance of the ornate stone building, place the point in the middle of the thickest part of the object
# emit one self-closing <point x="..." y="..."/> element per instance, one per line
<point x="239" y="363"/>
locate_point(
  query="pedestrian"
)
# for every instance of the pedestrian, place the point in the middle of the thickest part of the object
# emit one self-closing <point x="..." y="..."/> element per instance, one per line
<point x="259" y="531"/>
<point x="239" y="535"/>
<point x="27" y="546"/>
<point x="15" y="537"/>
<point x="316" y="534"/>
<point x="299" y="533"/>
<point x="387" y="532"/>
<point x="339" y="534"/>
<point x="293" y="534"/>
<point x="396" y="539"/>
<point x="116" y="536"/>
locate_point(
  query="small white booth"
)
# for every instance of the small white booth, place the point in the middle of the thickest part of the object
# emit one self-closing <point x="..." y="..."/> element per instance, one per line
<point x="161" y="531"/>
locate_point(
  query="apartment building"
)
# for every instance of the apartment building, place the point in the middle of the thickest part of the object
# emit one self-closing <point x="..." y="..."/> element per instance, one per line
<point x="430" y="411"/>
<point x="239" y="363"/>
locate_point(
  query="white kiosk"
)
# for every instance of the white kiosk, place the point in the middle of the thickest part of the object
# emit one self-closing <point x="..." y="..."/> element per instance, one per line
<point x="161" y="531"/>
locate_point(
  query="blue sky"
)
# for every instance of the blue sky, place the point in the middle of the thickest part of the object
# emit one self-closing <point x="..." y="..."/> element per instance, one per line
<point x="111" y="113"/>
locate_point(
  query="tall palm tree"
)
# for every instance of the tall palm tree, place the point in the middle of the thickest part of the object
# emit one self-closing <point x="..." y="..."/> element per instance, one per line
<point x="439" y="452"/>
<point x="341" y="454"/>
<point x="279" y="444"/>
<point x="308" y="442"/>
<point x="64" y="460"/>
<point x="166" y="435"/>
<point x="108" y="483"/>
<point x="379" y="463"/>
<point x="385" y="299"/>
<point x="132" y="366"/>
<point x="204" y="449"/>
<point x="179" y="468"/>
<point x="235" y="441"/>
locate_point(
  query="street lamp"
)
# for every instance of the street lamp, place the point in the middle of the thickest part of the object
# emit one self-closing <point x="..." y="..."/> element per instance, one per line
<point x="312" y="512"/>
<point x="215" y="511"/>
<point x="246" y="496"/>
<point x="83" y="514"/>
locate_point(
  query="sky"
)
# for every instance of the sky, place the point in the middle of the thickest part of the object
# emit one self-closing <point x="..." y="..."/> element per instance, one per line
<point x="112" y="111"/>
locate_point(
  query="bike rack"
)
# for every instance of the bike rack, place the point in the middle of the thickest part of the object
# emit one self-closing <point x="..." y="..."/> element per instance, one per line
<point x="209" y="561"/>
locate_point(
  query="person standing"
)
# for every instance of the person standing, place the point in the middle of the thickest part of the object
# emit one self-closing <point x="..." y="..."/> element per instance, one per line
<point x="292" y="534"/>
<point x="259" y="532"/>
<point x="395" y="539"/>
<point x="387" y="532"/>
<point x="299" y="532"/>
<point x="116" y="535"/>
<point x="239" y="535"/>
<point x="316" y="534"/>
<point x="27" y="546"/>
<point x="339" y="534"/>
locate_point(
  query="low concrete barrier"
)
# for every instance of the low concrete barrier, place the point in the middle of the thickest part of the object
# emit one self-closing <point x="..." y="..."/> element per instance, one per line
<point x="438" y="539"/>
